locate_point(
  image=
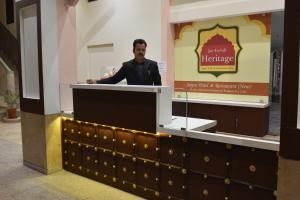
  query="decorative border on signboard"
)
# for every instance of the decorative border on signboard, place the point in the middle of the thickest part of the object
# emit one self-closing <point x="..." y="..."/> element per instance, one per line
<point x="237" y="56"/>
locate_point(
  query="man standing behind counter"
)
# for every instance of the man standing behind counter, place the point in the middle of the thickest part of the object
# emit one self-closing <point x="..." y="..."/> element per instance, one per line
<point x="138" y="71"/>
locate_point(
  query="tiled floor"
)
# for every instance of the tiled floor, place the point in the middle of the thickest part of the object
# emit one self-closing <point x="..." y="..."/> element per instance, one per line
<point x="19" y="182"/>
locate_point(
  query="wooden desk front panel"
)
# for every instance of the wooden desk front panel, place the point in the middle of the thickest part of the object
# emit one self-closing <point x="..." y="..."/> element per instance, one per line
<point x="126" y="109"/>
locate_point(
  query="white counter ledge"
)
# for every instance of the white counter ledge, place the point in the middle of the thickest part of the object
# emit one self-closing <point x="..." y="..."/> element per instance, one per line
<point x="197" y="126"/>
<point x="241" y="140"/>
<point x="223" y="102"/>
<point x="133" y="88"/>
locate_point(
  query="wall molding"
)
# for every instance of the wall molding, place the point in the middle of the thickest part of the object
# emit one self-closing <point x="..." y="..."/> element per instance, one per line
<point x="204" y="10"/>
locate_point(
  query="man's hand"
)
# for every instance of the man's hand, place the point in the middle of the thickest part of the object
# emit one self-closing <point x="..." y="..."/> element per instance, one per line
<point x="91" y="81"/>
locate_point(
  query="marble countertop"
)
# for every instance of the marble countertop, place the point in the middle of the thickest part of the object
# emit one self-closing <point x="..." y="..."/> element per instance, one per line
<point x="133" y="88"/>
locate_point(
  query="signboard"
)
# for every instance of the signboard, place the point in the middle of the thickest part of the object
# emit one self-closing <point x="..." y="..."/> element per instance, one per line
<point x="218" y="49"/>
<point x="224" y="59"/>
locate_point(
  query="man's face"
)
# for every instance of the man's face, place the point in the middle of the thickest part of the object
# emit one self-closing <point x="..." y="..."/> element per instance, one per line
<point x="139" y="52"/>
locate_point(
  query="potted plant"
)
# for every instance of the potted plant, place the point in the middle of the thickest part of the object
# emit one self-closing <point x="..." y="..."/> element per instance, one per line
<point x="10" y="99"/>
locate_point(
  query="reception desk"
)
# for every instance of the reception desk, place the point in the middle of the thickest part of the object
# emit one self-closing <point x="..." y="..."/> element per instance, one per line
<point x="173" y="157"/>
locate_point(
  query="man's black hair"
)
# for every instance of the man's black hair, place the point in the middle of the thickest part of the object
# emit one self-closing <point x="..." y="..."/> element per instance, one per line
<point x="139" y="41"/>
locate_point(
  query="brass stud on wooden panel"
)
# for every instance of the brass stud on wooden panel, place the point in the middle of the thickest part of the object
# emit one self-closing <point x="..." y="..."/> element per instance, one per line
<point x="114" y="140"/>
<point x="252" y="168"/>
<point x="183" y="155"/>
<point x="104" y="137"/>
<point x="114" y="179"/>
<point x="171" y="152"/>
<point x="87" y="134"/>
<point x="134" y="186"/>
<point x="65" y="129"/>
<point x="73" y="165"/>
<point x="65" y="141"/>
<point x="95" y="149"/>
<point x="145" y="161"/>
<point x="156" y="164"/>
<point x="134" y="159"/>
<point x="114" y="166"/>
<point x="114" y="153"/>
<point x="66" y="162"/>
<point x="157" y="193"/>
<point x="123" y="182"/>
<point x="124" y="141"/>
<point x="73" y="154"/>
<point x="124" y="169"/>
<point x="156" y="149"/>
<point x="145" y="146"/>
<point x="170" y="167"/>
<point x="105" y="163"/>
<point x="170" y="183"/>
<point x="123" y="155"/>
<point x="146" y="176"/>
<point x="96" y="173"/>
<point x="78" y="132"/>
<point x="80" y="168"/>
<point x="134" y="144"/>
<point x="72" y="131"/>
<point x="183" y="187"/>
<point x="275" y="193"/>
<point x="227" y="181"/>
<point x="226" y="198"/>
<point x="65" y="151"/>
<point x="169" y="197"/>
<point x="88" y="158"/>
<point x="205" y="176"/>
<point x="88" y="170"/>
<point x="157" y="179"/>
<point x="79" y="144"/>
<point x="205" y="192"/>
<point x="250" y="187"/>
<point x="133" y="172"/>
<point x="104" y="175"/>
<point x="206" y="159"/>
<point x="183" y="171"/>
<point x="145" y="189"/>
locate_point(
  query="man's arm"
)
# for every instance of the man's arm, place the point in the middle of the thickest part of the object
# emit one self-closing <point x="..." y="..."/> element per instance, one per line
<point x="119" y="76"/>
<point x="156" y="75"/>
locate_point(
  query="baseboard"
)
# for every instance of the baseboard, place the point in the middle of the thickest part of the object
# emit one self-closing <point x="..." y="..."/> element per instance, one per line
<point x="39" y="169"/>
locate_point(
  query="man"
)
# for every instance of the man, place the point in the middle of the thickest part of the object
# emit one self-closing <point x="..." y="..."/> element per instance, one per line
<point x="139" y="71"/>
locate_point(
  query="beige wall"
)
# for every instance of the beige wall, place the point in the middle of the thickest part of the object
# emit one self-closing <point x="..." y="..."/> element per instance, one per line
<point x="107" y="28"/>
<point x="11" y="27"/>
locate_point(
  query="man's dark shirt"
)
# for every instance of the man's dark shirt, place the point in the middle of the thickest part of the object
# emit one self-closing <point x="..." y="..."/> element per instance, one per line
<point x="136" y="74"/>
